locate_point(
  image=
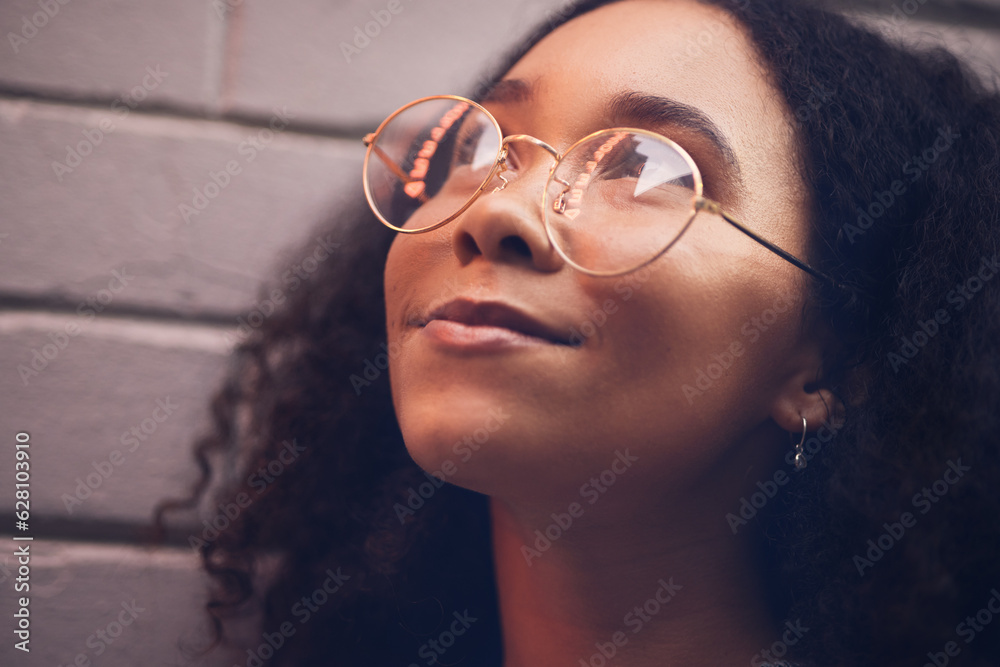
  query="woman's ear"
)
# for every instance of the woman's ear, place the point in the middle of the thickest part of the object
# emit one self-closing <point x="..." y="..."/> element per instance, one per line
<point x="806" y="392"/>
<point x="804" y="395"/>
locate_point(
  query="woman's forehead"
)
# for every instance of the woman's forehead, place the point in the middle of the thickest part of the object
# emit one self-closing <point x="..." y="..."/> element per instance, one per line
<point x="681" y="50"/>
<point x="679" y="45"/>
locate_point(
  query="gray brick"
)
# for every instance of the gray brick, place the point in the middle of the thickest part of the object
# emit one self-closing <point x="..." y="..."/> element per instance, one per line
<point x="291" y="53"/>
<point x="106" y="381"/>
<point x="100" y="48"/>
<point x="952" y="11"/>
<point x="120" y="206"/>
<point x="78" y="588"/>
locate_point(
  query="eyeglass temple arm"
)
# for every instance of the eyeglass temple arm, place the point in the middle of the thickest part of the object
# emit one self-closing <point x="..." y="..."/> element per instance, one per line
<point x="713" y="207"/>
<point x="393" y="167"/>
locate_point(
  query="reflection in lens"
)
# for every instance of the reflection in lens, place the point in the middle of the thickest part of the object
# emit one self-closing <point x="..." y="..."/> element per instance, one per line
<point x="429" y="160"/>
<point x="663" y="165"/>
<point x="618" y="199"/>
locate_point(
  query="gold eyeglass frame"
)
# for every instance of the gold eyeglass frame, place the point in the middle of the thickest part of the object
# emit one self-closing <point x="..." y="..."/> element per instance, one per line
<point x="698" y="203"/>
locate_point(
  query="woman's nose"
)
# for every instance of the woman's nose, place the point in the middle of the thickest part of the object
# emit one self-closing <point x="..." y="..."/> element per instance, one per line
<point x="505" y="223"/>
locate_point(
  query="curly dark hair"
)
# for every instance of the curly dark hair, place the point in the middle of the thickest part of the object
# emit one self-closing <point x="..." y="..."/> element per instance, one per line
<point x="901" y="151"/>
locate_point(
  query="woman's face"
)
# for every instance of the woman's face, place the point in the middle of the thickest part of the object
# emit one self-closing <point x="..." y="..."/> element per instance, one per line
<point x="679" y="363"/>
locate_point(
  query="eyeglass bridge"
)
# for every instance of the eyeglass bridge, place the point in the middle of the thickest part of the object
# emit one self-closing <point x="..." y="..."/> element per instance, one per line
<point x="560" y="204"/>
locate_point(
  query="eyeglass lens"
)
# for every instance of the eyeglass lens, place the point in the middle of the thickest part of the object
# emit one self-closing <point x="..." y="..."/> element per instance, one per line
<point x="431" y="158"/>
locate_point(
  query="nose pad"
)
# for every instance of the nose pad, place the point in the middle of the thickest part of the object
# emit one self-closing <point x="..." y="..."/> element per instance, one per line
<point x="559" y="202"/>
<point x="503" y="178"/>
<point x="500" y="174"/>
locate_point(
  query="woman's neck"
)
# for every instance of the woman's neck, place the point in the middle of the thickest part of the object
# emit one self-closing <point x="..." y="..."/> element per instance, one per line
<point x="646" y="586"/>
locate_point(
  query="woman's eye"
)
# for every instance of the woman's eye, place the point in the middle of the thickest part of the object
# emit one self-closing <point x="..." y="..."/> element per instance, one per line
<point x="626" y="166"/>
<point x="465" y="145"/>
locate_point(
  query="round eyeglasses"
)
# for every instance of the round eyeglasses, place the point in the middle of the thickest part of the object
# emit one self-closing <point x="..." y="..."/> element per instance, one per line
<point x="615" y="201"/>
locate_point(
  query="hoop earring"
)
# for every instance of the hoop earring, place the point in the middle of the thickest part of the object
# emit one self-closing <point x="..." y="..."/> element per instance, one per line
<point x="800" y="458"/>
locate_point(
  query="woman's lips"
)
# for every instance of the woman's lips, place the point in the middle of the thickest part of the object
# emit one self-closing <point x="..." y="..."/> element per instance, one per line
<point x="488" y="325"/>
<point x="482" y="337"/>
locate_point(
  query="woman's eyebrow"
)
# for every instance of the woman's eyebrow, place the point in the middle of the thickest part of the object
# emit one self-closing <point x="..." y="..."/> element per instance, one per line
<point x="509" y="91"/>
<point x="632" y="108"/>
<point x="642" y="109"/>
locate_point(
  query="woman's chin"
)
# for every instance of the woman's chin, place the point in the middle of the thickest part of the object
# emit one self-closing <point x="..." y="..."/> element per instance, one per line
<point x="465" y="444"/>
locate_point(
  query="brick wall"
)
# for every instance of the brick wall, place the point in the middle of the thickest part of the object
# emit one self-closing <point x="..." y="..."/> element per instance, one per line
<point x="158" y="160"/>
